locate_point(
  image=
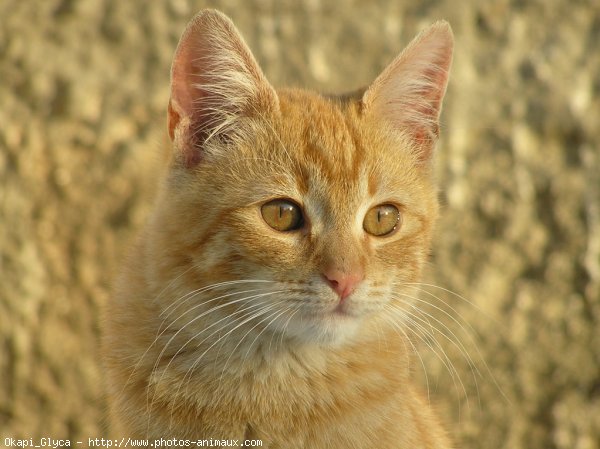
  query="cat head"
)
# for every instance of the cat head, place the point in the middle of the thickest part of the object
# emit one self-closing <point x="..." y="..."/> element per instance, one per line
<point x="288" y="212"/>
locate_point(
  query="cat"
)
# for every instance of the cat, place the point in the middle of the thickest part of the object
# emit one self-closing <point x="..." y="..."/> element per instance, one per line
<point x="268" y="295"/>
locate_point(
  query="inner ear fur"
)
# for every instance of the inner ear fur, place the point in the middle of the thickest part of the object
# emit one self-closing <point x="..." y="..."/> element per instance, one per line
<point x="215" y="80"/>
<point x="408" y="94"/>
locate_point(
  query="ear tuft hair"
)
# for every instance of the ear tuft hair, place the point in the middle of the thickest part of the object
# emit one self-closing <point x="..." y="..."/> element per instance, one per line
<point x="214" y="81"/>
<point x="408" y="94"/>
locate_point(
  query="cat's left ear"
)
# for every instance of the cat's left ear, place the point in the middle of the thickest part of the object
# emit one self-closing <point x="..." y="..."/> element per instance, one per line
<point x="408" y="94"/>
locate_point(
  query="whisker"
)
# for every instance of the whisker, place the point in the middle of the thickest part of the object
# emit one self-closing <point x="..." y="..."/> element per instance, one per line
<point x="447" y="362"/>
<point x="285" y="325"/>
<point x="207" y="312"/>
<point x="266" y="308"/>
<point x="159" y="333"/>
<point x="417" y="285"/>
<point x="276" y="314"/>
<point x="454" y="310"/>
<point x="205" y="329"/>
<point x="459" y="346"/>
<point x="470" y="335"/>
<point x="244" y="312"/>
<point x="201" y="304"/>
<point x="254" y="306"/>
<point x="192" y="368"/>
<point x="212" y="287"/>
<point x="428" y="339"/>
<point x="170" y="284"/>
<point x="136" y="366"/>
<point x="398" y="328"/>
<point x="287" y="309"/>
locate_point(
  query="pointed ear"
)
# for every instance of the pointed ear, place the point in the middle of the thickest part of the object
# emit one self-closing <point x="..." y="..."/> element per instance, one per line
<point x="215" y="80"/>
<point x="408" y="94"/>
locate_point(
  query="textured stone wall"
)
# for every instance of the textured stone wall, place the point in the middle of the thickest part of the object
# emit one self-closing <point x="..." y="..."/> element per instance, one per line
<point x="83" y="92"/>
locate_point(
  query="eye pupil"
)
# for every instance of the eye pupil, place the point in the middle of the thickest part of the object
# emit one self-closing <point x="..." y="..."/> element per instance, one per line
<point x="382" y="220"/>
<point x="282" y="215"/>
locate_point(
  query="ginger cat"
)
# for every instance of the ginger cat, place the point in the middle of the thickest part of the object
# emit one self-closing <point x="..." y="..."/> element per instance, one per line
<point x="266" y="297"/>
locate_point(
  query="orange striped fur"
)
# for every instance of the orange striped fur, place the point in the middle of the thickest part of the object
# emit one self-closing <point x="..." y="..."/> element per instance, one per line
<point x="222" y="327"/>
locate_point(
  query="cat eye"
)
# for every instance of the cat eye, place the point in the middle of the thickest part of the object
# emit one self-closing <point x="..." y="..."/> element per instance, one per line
<point x="282" y="215"/>
<point x="382" y="220"/>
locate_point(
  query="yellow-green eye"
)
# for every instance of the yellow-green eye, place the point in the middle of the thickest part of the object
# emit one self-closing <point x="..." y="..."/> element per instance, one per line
<point x="282" y="215"/>
<point x="382" y="220"/>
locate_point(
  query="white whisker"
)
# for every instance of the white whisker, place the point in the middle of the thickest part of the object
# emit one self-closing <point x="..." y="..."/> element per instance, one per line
<point x="192" y="368"/>
<point x="181" y="348"/>
<point x="470" y="333"/>
<point x="275" y="314"/>
<point x="191" y="294"/>
<point x="398" y="328"/>
<point x="446" y="361"/>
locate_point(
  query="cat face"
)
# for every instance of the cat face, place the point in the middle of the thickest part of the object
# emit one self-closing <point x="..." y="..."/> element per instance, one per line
<point x="311" y="214"/>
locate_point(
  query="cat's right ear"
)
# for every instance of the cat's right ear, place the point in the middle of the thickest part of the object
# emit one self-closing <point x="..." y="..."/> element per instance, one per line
<point x="214" y="81"/>
<point x="408" y="94"/>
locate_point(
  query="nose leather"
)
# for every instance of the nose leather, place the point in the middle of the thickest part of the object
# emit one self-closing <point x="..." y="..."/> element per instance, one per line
<point x="343" y="283"/>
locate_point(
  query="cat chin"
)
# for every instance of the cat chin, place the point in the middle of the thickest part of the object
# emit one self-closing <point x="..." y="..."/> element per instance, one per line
<point x="329" y="330"/>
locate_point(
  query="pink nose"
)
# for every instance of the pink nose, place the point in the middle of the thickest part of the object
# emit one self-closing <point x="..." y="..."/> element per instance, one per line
<point x="343" y="283"/>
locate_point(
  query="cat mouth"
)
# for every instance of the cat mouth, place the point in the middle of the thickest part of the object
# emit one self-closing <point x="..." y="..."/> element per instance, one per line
<point x="341" y="310"/>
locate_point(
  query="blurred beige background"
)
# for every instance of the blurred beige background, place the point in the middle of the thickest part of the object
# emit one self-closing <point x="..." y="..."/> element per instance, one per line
<point x="83" y="94"/>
